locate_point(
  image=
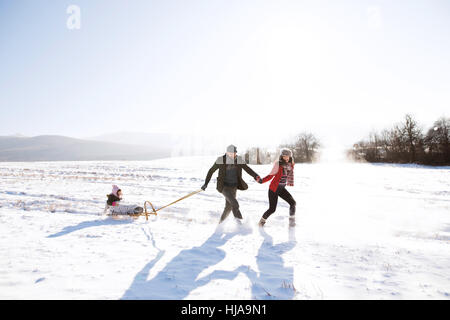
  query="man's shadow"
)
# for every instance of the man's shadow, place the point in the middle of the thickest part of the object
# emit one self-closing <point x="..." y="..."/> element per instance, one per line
<point x="274" y="280"/>
<point x="179" y="276"/>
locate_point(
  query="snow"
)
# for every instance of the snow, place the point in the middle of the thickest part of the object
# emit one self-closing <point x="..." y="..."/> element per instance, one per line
<point x="363" y="232"/>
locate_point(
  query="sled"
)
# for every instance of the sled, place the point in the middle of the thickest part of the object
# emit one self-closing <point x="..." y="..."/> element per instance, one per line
<point x="151" y="209"/>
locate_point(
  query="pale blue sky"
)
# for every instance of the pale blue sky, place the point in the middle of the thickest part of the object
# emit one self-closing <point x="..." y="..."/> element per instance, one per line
<point x="260" y="68"/>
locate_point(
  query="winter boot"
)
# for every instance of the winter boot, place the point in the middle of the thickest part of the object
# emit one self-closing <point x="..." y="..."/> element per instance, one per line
<point x="292" y="221"/>
<point x="138" y="210"/>
<point x="262" y="222"/>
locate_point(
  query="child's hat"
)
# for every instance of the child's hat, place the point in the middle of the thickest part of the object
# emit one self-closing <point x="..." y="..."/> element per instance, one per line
<point x="115" y="189"/>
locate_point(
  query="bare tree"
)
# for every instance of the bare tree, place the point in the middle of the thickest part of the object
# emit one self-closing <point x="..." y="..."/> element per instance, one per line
<point x="437" y="142"/>
<point x="411" y="135"/>
<point x="372" y="148"/>
<point x="305" y="147"/>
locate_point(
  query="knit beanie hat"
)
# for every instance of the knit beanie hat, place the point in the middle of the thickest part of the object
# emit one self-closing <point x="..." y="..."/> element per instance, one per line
<point x="286" y="152"/>
<point x="115" y="189"/>
<point x="231" y="148"/>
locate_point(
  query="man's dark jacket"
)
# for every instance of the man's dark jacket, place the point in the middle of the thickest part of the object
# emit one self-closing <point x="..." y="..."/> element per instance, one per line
<point x="221" y="165"/>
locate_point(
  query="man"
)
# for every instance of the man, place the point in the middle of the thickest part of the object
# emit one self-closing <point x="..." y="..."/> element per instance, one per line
<point x="230" y="179"/>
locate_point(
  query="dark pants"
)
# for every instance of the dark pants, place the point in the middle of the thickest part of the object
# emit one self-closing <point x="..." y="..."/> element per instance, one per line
<point x="231" y="204"/>
<point x="273" y="200"/>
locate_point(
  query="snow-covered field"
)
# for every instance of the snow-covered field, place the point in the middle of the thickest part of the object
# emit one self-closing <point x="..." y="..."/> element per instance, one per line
<point x="363" y="232"/>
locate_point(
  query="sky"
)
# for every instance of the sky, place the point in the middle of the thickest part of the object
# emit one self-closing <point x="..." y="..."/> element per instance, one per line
<point x="257" y="71"/>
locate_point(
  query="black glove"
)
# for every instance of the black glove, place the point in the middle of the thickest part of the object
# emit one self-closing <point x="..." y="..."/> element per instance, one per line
<point x="204" y="187"/>
<point x="258" y="179"/>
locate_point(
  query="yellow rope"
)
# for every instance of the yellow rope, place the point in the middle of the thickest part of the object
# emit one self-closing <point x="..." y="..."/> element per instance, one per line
<point x="146" y="213"/>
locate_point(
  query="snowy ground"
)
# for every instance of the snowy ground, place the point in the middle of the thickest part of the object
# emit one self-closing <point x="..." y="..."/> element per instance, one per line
<point x="363" y="232"/>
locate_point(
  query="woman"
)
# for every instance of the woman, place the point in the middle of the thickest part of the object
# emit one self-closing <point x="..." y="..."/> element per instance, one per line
<point x="282" y="175"/>
<point x="114" y="206"/>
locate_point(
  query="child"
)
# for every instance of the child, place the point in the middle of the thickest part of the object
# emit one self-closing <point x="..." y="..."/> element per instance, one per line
<point x="114" y="206"/>
<point x="115" y="196"/>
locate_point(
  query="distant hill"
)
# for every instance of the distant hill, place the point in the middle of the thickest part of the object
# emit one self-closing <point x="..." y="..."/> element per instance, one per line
<point x="57" y="148"/>
<point x="180" y="144"/>
<point x="155" y="140"/>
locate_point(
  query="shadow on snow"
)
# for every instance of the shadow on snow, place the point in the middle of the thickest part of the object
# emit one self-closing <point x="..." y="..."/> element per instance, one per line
<point x="274" y="280"/>
<point x="88" y="224"/>
<point x="179" y="276"/>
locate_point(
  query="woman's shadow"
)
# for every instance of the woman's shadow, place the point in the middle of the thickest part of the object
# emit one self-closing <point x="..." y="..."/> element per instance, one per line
<point x="274" y="280"/>
<point x="179" y="276"/>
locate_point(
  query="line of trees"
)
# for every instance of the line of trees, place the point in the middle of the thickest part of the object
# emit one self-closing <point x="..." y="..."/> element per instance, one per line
<point x="304" y="146"/>
<point x="407" y="143"/>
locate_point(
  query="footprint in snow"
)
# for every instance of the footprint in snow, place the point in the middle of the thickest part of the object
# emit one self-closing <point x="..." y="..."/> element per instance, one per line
<point x="39" y="280"/>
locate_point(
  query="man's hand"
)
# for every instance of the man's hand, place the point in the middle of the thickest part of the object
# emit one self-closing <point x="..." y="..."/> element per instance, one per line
<point x="204" y="187"/>
<point x="258" y="179"/>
